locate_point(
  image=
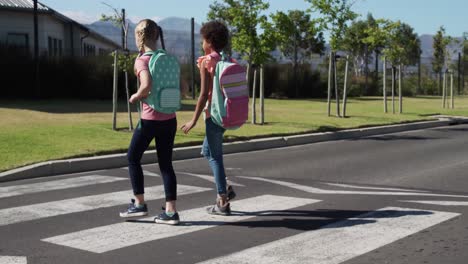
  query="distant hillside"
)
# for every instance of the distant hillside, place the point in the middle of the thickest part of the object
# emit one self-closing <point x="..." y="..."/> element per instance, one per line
<point x="176" y="35"/>
<point x="427" y="51"/>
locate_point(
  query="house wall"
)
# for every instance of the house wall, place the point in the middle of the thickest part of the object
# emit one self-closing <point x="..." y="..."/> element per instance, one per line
<point x="56" y="37"/>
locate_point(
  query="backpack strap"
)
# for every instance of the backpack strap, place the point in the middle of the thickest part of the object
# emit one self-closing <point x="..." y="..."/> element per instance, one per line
<point x="224" y="57"/>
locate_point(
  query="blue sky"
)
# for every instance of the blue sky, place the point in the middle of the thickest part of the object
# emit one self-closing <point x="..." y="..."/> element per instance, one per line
<point x="426" y="16"/>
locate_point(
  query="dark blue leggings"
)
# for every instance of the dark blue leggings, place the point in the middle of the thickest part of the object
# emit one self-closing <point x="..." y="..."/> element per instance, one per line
<point x="164" y="133"/>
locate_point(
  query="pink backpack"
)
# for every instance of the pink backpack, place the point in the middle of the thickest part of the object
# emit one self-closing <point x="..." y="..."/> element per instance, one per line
<point x="230" y="97"/>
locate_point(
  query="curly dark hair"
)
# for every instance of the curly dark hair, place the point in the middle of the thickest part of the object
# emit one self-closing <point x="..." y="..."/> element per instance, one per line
<point x="215" y="33"/>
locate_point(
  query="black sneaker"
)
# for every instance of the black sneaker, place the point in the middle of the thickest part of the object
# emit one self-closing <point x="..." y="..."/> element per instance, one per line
<point x="168" y="220"/>
<point x="230" y="193"/>
<point x="219" y="210"/>
<point x="134" y="211"/>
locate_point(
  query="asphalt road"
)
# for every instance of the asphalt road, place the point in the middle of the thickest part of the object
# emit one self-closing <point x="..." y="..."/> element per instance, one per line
<point x="397" y="198"/>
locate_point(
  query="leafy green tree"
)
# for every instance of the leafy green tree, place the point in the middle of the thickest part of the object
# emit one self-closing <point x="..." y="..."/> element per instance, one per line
<point x="440" y="44"/>
<point x="401" y="46"/>
<point x="336" y="14"/>
<point x="243" y="18"/>
<point x="354" y="44"/>
<point x="118" y="19"/>
<point x="297" y="37"/>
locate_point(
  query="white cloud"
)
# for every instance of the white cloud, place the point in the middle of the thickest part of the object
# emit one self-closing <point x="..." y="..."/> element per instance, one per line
<point x="80" y="16"/>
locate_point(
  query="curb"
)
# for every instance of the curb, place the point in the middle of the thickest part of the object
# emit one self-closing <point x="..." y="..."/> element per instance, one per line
<point x="69" y="166"/>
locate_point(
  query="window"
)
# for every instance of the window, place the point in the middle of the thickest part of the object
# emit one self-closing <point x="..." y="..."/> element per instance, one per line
<point x="55" y="47"/>
<point x="18" y="40"/>
<point x="89" y="50"/>
<point x="60" y="49"/>
<point x="103" y="52"/>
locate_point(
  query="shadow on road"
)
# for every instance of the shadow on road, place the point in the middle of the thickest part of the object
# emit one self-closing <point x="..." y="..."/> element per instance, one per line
<point x="395" y="137"/>
<point x="302" y="219"/>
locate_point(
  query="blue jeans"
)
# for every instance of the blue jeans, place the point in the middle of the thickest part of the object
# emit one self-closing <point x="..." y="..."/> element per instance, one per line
<point x="213" y="151"/>
<point x="164" y="133"/>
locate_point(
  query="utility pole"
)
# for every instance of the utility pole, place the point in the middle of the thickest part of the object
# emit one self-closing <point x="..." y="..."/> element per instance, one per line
<point x="126" y="52"/>
<point x="36" y="52"/>
<point x="192" y="61"/>
<point x="330" y="67"/>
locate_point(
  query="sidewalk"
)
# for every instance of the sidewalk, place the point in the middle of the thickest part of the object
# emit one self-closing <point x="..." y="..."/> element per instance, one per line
<point x="58" y="167"/>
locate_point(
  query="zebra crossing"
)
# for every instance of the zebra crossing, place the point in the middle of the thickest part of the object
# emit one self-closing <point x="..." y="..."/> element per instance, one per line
<point x="337" y="241"/>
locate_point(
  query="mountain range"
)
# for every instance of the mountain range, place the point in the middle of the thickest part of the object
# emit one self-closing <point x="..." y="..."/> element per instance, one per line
<point x="176" y="35"/>
<point x="177" y="38"/>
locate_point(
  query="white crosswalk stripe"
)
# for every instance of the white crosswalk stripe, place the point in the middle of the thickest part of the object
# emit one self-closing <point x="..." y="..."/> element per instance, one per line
<point x="22" y="189"/>
<point x="13" y="260"/>
<point x="442" y="203"/>
<point x="341" y="241"/>
<point x="370" y="188"/>
<point x="210" y="178"/>
<point x="147" y="173"/>
<point x="116" y="236"/>
<point x="86" y="203"/>
<point x="315" y="190"/>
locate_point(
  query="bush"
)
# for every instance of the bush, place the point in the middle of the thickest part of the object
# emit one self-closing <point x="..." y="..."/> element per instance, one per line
<point x="279" y="82"/>
<point x="68" y="77"/>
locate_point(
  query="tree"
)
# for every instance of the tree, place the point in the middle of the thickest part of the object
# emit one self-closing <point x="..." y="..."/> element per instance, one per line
<point x="243" y="18"/>
<point x="401" y="47"/>
<point x="335" y="17"/>
<point x="440" y="45"/>
<point x="297" y="37"/>
<point x="378" y="35"/>
<point x="118" y="18"/>
<point x="354" y="44"/>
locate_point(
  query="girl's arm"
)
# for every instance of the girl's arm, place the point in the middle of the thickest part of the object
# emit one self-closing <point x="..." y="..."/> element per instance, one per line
<point x="145" y="87"/>
<point x="206" y="81"/>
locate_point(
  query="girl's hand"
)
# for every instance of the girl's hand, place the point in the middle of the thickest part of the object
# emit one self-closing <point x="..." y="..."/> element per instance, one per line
<point x="188" y="126"/>
<point x="134" y="98"/>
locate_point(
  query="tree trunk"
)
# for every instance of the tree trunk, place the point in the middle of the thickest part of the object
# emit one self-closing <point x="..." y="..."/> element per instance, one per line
<point x="419" y="77"/>
<point x="114" y="97"/>
<point x="337" y="94"/>
<point x="400" y="96"/>
<point x="393" y="89"/>
<point x="254" y="86"/>
<point x="262" y="95"/>
<point x="345" y="86"/>
<point x="440" y="83"/>
<point x="443" y="89"/>
<point x="129" y="110"/>
<point x="376" y="69"/>
<point x="330" y="66"/>
<point x="451" y="89"/>
<point x="366" y="69"/>
<point x="459" y="72"/>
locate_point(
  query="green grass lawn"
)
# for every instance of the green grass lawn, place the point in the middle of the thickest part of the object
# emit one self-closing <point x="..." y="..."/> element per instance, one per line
<point x="35" y="131"/>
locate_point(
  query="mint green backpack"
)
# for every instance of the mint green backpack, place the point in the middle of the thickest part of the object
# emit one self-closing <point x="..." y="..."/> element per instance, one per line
<point x="165" y="73"/>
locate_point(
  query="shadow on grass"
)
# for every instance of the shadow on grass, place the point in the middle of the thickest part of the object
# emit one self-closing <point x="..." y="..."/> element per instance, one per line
<point x="74" y="106"/>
